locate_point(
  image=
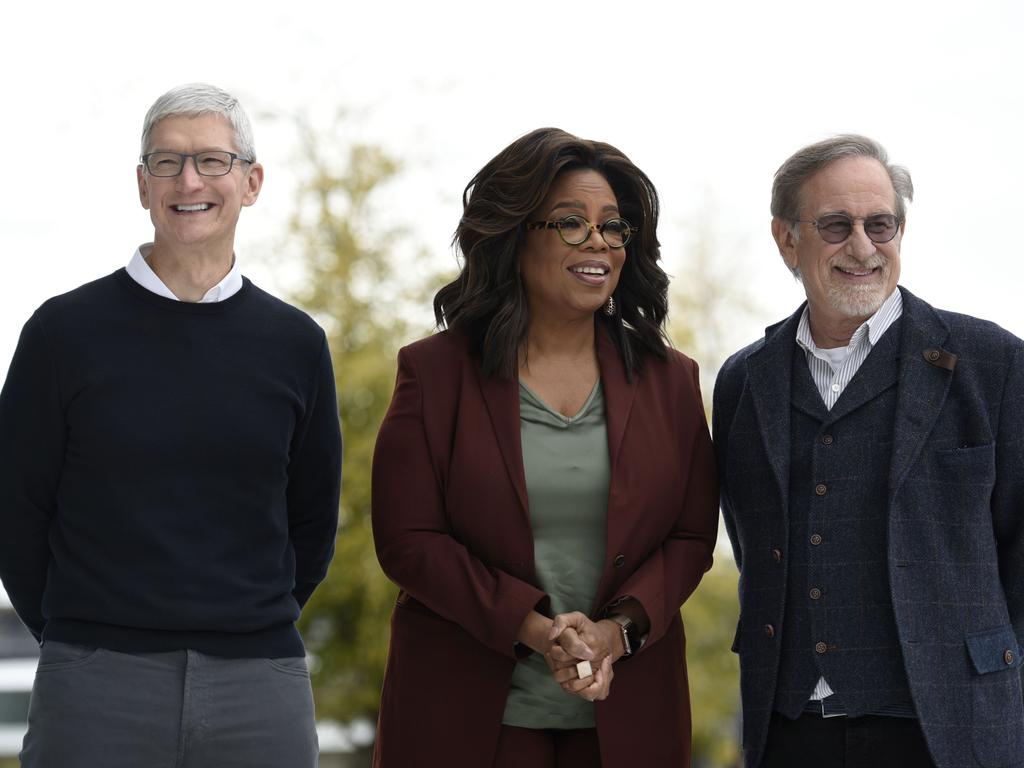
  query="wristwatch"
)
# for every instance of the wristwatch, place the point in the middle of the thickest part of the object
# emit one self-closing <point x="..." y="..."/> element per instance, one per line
<point x="631" y="640"/>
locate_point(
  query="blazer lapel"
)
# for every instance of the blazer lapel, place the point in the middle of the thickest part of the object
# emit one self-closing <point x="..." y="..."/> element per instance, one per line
<point x="926" y="371"/>
<point x="878" y="372"/>
<point x="769" y="377"/>
<point x="618" y="393"/>
<point x="501" y="397"/>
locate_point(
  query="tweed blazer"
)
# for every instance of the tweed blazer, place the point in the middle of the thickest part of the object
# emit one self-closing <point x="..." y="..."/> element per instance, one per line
<point x="955" y="529"/>
<point x="452" y="529"/>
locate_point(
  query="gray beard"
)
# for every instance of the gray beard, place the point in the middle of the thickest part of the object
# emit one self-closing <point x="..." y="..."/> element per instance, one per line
<point x="857" y="302"/>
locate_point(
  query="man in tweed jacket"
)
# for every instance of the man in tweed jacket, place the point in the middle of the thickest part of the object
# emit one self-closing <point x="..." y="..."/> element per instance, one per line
<point x="871" y="451"/>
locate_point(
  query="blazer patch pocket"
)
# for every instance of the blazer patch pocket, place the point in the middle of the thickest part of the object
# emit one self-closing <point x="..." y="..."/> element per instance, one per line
<point x="994" y="650"/>
<point x="970" y="465"/>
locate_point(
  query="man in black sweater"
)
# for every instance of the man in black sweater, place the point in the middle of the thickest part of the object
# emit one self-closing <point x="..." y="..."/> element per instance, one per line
<point x="170" y="468"/>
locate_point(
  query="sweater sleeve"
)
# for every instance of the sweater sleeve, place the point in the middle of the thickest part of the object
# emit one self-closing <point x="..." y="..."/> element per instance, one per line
<point x="32" y="444"/>
<point x="314" y="483"/>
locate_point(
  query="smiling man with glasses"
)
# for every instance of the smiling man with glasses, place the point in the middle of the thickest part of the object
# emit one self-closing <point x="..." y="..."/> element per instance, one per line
<point x="170" y="468"/>
<point x="871" y="458"/>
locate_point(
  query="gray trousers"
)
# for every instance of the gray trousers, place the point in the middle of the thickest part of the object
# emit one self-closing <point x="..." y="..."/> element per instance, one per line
<point x="94" y="708"/>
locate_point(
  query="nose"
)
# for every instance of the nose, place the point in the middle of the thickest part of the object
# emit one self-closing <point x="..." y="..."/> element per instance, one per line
<point x="595" y="240"/>
<point x="860" y="245"/>
<point x="189" y="178"/>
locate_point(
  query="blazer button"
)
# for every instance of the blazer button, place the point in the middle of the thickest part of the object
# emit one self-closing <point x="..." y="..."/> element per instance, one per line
<point x="820" y="647"/>
<point x="777" y="555"/>
<point x="619" y="561"/>
<point x="815" y="593"/>
<point x="820" y="489"/>
<point x="827" y="439"/>
<point x="769" y="631"/>
<point x="816" y="539"/>
<point x="1008" y="657"/>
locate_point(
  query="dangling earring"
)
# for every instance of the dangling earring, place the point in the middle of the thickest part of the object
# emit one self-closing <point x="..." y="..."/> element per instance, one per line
<point x="609" y="307"/>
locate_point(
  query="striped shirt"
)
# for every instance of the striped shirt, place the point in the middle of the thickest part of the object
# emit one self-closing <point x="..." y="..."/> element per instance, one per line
<point x="832" y="370"/>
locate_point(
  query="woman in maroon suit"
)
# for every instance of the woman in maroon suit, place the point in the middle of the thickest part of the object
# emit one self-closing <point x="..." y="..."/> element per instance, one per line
<point x="543" y="483"/>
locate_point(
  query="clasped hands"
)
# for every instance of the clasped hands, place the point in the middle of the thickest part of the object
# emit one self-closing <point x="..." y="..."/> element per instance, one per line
<point x="570" y="638"/>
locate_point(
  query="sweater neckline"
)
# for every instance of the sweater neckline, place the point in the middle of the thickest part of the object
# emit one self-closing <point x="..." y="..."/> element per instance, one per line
<point x="187" y="307"/>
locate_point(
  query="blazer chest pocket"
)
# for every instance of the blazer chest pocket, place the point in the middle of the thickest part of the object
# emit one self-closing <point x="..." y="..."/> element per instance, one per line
<point x="998" y="710"/>
<point x="970" y="465"/>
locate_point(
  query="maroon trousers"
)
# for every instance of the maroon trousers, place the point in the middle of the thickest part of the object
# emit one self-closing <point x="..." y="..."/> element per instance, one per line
<point x="550" y="748"/>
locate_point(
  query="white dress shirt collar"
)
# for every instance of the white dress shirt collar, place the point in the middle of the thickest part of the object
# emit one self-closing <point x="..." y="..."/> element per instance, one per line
<point x="140" y="271"/>
<point x="873" y="327"/>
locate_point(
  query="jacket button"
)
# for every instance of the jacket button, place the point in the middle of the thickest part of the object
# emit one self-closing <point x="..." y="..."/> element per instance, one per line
<point x="815" y="593"/>
<point x="820" y="647"/>
<point x="619" y="561"/>
<point x="769" y="630"/>
<point x="816" y="539"/>
<point x="820" y="489"/>
<point x="1008" y="657"/>
<point x="933" y="354"/>
<point x="827" y="439"/>
<point x="777" y="555"/>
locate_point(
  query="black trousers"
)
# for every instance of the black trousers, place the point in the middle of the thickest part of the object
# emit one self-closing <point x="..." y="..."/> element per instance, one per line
<point x="812" y="741"/>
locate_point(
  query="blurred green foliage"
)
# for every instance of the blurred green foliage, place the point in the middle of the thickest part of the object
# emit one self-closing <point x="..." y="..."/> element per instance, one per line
<point x="710" y="620"/>
<point x="351" y="286"/>
<point x="347" y="290"/>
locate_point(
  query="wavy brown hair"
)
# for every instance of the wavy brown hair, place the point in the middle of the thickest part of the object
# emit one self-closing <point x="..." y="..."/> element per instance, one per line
<point x="487" y="300"/>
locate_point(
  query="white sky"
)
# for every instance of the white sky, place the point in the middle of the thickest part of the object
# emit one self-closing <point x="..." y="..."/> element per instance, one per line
<point x="707" y="98"/>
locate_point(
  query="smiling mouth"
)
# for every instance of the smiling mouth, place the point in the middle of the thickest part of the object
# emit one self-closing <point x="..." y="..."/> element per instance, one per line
<point x="591" y="273"/>
<point x="193" y="208"/>
<point x="858" y="271"/>
<point x="590" y="270"/>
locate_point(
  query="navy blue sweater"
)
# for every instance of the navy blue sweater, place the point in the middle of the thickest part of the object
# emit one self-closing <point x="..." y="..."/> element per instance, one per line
<point x="169" y="472"/>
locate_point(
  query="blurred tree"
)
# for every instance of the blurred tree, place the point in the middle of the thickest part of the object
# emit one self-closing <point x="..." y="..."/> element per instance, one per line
<point x="705" y="304"/>
<point x="710" y="620"/>
<point x="350" y="288"/>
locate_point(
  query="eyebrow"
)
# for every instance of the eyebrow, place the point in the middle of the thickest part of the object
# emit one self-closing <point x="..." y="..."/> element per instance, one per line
<point x="849" y="215"/>
<point x="197" y="152"/>
<point x="610" y="208"/>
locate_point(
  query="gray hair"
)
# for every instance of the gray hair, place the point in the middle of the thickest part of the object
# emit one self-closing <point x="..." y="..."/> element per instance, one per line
<point x="195" y="99"/>
<point x="804" y="163"/>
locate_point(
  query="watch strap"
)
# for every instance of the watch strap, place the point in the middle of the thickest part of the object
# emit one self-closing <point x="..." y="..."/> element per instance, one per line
<point x="628" y="629"/>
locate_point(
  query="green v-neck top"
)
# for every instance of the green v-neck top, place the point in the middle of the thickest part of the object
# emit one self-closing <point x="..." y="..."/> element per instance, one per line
<point x="568" y="473"/>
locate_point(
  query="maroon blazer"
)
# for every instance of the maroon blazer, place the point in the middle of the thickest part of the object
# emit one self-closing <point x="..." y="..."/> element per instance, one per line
<point x="452" y="528"/>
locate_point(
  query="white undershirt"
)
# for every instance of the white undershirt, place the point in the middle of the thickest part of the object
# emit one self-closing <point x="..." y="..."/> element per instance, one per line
<point x="140" y="271"/>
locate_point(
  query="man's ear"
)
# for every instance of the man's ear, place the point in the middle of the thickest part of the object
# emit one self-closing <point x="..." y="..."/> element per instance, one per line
<point x="253" y="184"/>
<point x="143" y="187"/>
<point x="786" y="242"/>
